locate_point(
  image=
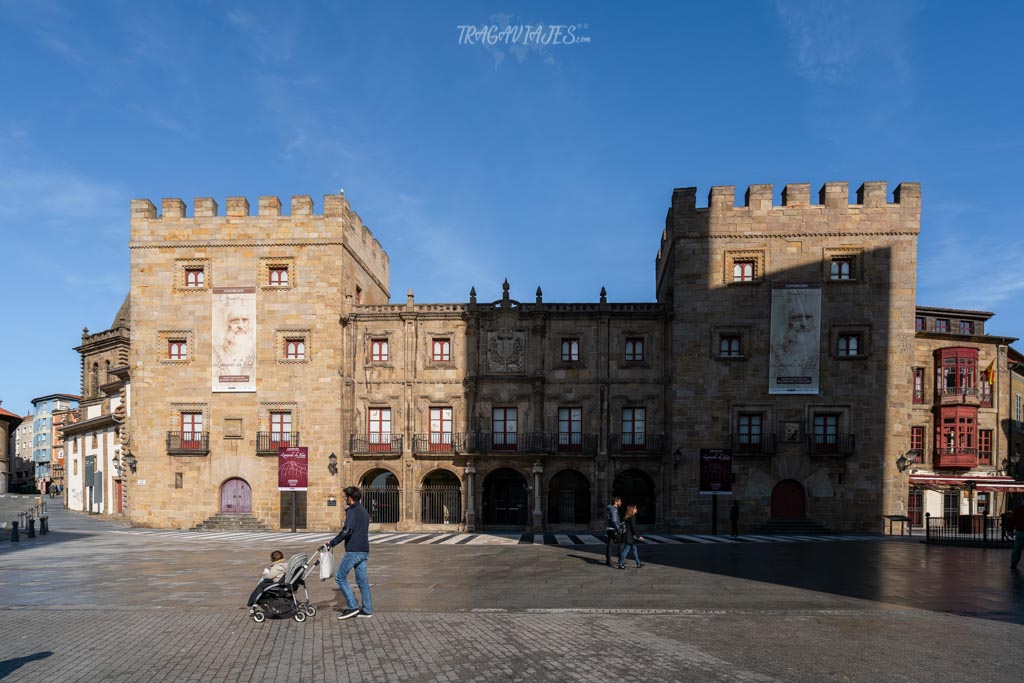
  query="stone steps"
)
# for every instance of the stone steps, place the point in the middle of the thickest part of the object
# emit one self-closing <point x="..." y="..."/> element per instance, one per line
<point x="228" y="522"/>
<point x="799" y="527"/>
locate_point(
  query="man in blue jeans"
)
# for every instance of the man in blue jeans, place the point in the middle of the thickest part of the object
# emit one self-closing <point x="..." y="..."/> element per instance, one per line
<point x="356" y="535"/>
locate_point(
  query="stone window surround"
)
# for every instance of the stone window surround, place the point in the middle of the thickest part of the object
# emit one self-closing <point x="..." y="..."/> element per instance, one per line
<point x="756" y="255"/>
<point x="176" y="409"/>
<point x="765" y="410"/>
<point x="167" y="336"/>
<point x="182" y="265"/>
<point x="644" y="360"/>
<point x="719" y="331"/>
<point x="855" y="254"/>
<point x="562" y="339"/>
<point x="429" y="337"/>
<point x="268" y="262"/>
<point x="265" y="408"/>
<point x="281" y="338"/>
<point x="862" y="331"/>
<point x="840" y="409"/>
<point x="370" y="337"/>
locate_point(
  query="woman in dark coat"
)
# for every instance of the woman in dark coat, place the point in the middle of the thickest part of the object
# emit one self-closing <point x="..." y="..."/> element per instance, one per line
<point x="630" y="538"/>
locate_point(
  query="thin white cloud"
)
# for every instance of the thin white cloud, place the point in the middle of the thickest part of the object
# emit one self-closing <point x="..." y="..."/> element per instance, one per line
<point x="62" y="48"/>
<point x="270" y="39"/>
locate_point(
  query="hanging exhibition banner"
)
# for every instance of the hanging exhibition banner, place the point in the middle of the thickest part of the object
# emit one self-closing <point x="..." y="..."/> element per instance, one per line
<point x="233" y="335"/>
<point x="715" y="471"/>
<point x="795" y="339"/>
<point x="292" y="468"/>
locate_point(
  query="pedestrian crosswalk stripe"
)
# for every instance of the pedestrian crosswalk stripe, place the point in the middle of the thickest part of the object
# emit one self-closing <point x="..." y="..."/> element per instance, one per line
<point x="662" y="539"/>
<point x="412" y="538"/>
<point x="587" y="539"/>
<point x="562" y="539"/>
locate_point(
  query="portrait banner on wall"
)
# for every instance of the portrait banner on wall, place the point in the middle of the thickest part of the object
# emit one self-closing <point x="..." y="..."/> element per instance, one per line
<point x="795" y="351"/>
<point x="715" y="471"/>
<point x="234" y="339"/>
<point x="292" y="468"/>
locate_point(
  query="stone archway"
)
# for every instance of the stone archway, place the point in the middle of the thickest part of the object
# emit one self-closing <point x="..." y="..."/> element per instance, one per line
<point x="441" y="498"/>
<point x="636" y="487"/>
<point x="788" y="500"/>
<point x="568" y="498"/>
<point x="382" y="496"/>
<point x="504" y="498"/>
<point x="236" y="497"/>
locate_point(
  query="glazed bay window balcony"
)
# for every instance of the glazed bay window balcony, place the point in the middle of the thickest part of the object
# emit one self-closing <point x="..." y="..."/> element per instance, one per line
<point x="188" y="443"/>
<point x="839" y="445"/>
<point x="636" y="443"/>
<point x="955" y="457"/>
<point x="753" y="444"/>
<point x="267" y="443"/>
<point x="385" y="443"/>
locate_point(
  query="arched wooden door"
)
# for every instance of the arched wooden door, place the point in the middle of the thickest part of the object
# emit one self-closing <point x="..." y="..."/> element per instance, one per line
<point x="236" y="497"/>
<point x="788" y="500"/>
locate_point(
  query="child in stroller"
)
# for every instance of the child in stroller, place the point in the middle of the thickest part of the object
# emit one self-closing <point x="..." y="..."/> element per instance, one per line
<point x="278" y="599"/>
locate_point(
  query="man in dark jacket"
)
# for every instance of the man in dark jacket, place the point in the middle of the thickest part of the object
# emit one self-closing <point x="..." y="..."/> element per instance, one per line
<point x="612" y="512"/>
<point x="1018" y="543"/>
<point x="734" y="519"/>
<point x="356" y="535"/>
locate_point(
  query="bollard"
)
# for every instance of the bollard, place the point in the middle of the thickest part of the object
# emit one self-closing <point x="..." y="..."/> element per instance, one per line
<point x="31" y="527"/>
<point x="21" y="518"/>
<point x="44" y="527"/>
<point x="14" y="532"/>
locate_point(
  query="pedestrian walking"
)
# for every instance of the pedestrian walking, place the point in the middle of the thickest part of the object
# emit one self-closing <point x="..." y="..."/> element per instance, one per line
<point x="1018" y="542"/>
<point x="612" y="522"/>
<point x="630" y="538"/>
<point x="1006" y="525"/>
<point x="734" y="518"/>
<point x="356" y="535"/>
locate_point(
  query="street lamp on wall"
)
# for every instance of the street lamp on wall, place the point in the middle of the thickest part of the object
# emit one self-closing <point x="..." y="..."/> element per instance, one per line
<point x="677" y="457"/>
<point x="905" y="461"/>
<point x="332" y="464"/>
<point x="131" y="461"/>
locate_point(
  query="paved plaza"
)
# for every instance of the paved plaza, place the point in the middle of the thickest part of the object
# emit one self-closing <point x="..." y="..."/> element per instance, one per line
<point x="95" y="601"/>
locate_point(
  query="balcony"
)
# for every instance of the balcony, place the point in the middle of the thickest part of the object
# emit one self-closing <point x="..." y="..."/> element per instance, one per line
<point x="955" y="457"/>
<point x="376" y="444"/>
<point x="636" y="444"/>
<point x="949" y="396"/>
<point x="831" y="445"/>
<point x="267" y="443"/>
<point x="188" y="443"/>
<point x="918" y="396"/>
<point x="573" y="442"/>
<point x="443" y="442"/>
<point x="504" y="442"/>
<point x="753" y="445"/>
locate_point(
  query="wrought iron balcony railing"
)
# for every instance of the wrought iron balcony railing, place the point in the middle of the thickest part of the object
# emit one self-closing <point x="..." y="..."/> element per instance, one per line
<point x="635" y="443"/>
<point x="832" y="444"/>
<point x="267" y="443"/>
<point x="188" y="443"/>
<point x="754" y="444"/>
<point x="443" y="442"/>
<point x="387" y="443"/>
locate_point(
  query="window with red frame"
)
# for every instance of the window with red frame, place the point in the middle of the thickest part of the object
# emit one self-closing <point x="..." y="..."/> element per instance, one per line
<point x="966" y="327"/>
<point x="177" y="349"/>
<point x="280" y="429"/>
<point x="634" y="428"/>
<point x="956" y="431"/>
<point x="919" y="324"/>
<point x="942" y="325"/>
<point x="192" y="430"/>
<point x="194" y="277"/>
<point x="744" y="271"/>
<point x="915" y="507"/>
<point x="378" y="350"/>
<point x="295" y="349"/>
<point x="505" y="429"/>
<point x="441" y="429"/>
<point x="570" y="350"/>
<point x="957" y="371"/>
<point x="570" y="429"/>
<point x="918" y="385"/>
<point x="634" y="349"/>
<point x="985" y="390"/>
<point x="278" y="276"/>
<point x="379" y="428"/>
<point x="984" y="446"/>
<point x="441" y="349"/>
<point x="826" y="433"/>
<point x="917" y="441"/>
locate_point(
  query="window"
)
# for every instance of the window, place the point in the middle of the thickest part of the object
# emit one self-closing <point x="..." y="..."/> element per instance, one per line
<point x="192" y="430"/>
<point x="380" y="429"/>
<point x="277" y="276"/>
<point x="1018" y="408"/>
<point x="729" y="346"/>
<point x="915" y="507"/>
<point x="749" y="431"/>
<point x="917" y="441"/>
<point x="441" y="350"/>
<point x="984" y="446"/>
<point x="956" y="431"/>
<point x="195" y="277"/>
<point x="956" y="371"/>
<point x="634" y="428"/>
<point x="966" y="327"/>
<point x="177" y="349"/>
<point x="440" y="429"/>
<point x="918" y="385"/>
<point x="983" y="501"/>
<point x="950" y="507"/>
<point x="919" y="324"/>
<point x="634" y="349"/>
<point x="744" y="271"/>
<point x="570" y="428"/>
<point x="379" y="350"/>
<point x="359" y="294"/>
<point x="179" y="480"/>
<point x="295" y="349"/>
<point x="826" y="433"/>
<point x="280" y="429"/>
<point x="849" y="345"/>
<point x="570" y="350"/>
<point x="504" y="429"/>
<point x="842" y="268"/>
<point x="985" y="390"/>
<point x="942" y="325"/>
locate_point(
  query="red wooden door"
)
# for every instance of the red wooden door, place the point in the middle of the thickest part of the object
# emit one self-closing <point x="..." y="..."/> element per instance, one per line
<point x="788" y="499"/>
<point x="119" y="497"/>
<point x="236" y="497"/>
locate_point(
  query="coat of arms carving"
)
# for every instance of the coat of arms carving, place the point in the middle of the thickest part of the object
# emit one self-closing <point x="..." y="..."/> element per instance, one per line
<point x="506" y="351"/>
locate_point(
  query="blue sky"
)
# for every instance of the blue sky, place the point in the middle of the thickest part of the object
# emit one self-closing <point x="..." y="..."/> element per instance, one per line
<point x="550" y="165"/>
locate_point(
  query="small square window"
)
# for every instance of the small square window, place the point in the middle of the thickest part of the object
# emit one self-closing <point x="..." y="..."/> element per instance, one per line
<point x="842" y="268"/>
<point x="277" y="276"/>
<point x="379" y="350"/>
<point x="195" y="277"/>
<point x="919" y="324"/>
<point x="966" y="327"/>
<point x="729" y="346"/>
<point x="942" y="325"/>
<point x="849" y="345"/>
<point x="177" y="349"/>
<point x="441" y="350"/>
<point x="570" y="350"/>
<point x="634" y="349"/>
<point x="295" y="349"/>
<point x="744" y="270"/>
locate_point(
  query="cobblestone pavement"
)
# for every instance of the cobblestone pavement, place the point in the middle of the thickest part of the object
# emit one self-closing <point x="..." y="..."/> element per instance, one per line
<point x="86" y="603"/>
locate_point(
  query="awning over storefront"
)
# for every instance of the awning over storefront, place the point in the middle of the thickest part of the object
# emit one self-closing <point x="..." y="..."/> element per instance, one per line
<point x="996" y="484"/>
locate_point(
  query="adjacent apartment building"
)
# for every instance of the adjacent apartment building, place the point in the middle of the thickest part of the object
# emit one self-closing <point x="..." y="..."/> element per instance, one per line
<point x="49" y="413"/>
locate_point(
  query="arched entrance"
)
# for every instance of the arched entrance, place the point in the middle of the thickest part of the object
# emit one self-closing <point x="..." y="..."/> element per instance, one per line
<point x="505" y="498"/>
<point x="788" y="500"/>
<point x="236" y="497"/>
<point x="637" y="488"/>
<point x="441" y="498"/>
<point x="381" y="496"/>
<point x="569" y="498"/>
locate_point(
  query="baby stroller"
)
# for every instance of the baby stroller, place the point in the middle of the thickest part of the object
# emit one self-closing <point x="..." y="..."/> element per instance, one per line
<point x="279" y="600"/>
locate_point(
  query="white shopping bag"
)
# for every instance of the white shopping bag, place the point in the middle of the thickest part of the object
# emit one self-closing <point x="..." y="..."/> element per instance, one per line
<point x="326" y="564"/>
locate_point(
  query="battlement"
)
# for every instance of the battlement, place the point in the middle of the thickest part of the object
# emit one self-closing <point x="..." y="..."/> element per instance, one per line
<point x="172" y="222"/>
<point x="871" y="194"/>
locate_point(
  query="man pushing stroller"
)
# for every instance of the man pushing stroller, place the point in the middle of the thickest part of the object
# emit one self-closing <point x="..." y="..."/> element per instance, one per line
<point x="356" y="535"/>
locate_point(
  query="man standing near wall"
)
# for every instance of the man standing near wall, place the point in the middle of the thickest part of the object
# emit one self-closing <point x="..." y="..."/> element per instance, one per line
<point x="356" y="535"/>
<point x="612" y="511"/>
<point x="1018" y="542"/>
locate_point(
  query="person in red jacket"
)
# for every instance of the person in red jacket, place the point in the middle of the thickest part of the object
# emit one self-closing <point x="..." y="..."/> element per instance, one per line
<point x="1018" y="542"/>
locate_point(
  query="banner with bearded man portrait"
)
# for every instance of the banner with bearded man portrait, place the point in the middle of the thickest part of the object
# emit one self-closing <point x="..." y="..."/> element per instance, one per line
<point x="234" y="339"/>
<point x="795" y="340"/>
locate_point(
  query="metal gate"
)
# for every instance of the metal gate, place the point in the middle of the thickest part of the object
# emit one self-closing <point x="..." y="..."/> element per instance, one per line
<point x="567" y="506"/>
<point x="382" y="503"/>
<point x="442" y="504"/>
